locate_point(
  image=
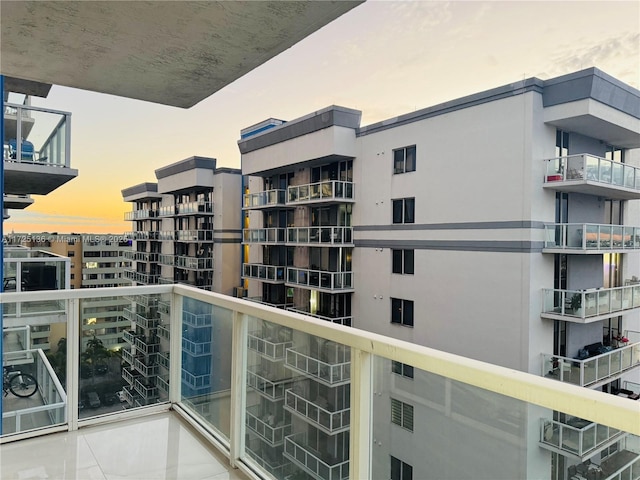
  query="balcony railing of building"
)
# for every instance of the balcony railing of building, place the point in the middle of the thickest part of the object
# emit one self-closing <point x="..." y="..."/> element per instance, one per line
<point x="317" y="411"/>
<point x="200" y="235"/>
<point x="593" y="175"/>
<point x="481" y="408"/>
<point x="342" y="236"/>
<point x="270" y="304"/>
<point x="140" y="256"/>
<point x="319" y="279"/>
<point x="584" y="306"/>
<point x="145" y="235"/>
<point x="142" y="214"/>
<point x="273" y="348"/>
<point x="576" y="436"/>
<point x="193" y="263"/>
<point x="265" y="199"/>
<point x="602" y="368"/>
<point x="266" y="273"/>
<point x="263" y="235"/>
<point x="346" y="320"/>
<point x="139" y="277"/>
<point x="45" y="134"/>
<point x="263" y="423"/>
<point x="319" y="192"/>
<point x="198" y="207"/>
<point x="590" y="238"/>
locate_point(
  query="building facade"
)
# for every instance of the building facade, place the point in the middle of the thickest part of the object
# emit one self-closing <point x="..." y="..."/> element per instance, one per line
<point x="501" y="226"/>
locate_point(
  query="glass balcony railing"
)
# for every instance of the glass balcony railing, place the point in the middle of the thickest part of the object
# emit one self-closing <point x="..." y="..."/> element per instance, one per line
<point x="268" y="273"/>
<point x="145" y="235"/>
<point x="318" y="279"/>
<point x="142" y="214"/>
<point x="263" y="235"/>
<point x="139" y="277"/>
<point x="596" y="369"/>
<point x="589" y="305"/>
<point x="195" y="208"/>
<point x="268" y="198"/>
<point x="576" y="436"/>
<point x="592" y="175"/>
<point x="140" y="256"/>
<point x="45" y="134"/>
<point x="38" y="270"/>
<point x="193" y="263"/>
<point x="320" y="235"/>
<point x="326" y="191"/>
<point x="580" y="237"/>
<point x="200" y="235"/>
<point x="317" y="411"/>
<point x="347" y="320"/>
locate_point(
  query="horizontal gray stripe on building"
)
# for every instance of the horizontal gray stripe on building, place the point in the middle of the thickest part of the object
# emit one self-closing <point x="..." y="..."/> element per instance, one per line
<point x="141" y="188"/>
<point x="228" y="230"/>
<point x="227" y="240"/>
<point x="508" y="224"/>
<point x="186" y="165"/>
<point x="514" y="246"/>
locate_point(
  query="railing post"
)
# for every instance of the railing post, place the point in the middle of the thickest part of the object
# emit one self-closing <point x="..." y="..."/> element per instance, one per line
<point x="361" y="414"/>
<point x="175" y="348"/>
<point x="73" y="361"/>
<point x="238" y="386"/>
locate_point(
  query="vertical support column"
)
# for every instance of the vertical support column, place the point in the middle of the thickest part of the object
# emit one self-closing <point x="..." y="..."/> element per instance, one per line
<point x="175" y="349"/>
<point x="238" y="385"/>
<point x="1" y="224"/>
<point x="67" y="142"/>
<point x="73" y="361"/>
<point x="361" y="414"/>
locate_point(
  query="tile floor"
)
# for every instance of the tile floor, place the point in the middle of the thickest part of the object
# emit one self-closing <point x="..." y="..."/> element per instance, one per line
<point x="153" y="447"/>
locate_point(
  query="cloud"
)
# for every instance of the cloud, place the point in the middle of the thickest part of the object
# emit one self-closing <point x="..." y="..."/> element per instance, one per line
<point x="26" y="221"/>
<point x="618" y="56"/>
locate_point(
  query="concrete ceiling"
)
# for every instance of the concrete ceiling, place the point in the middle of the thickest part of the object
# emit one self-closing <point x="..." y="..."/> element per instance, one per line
<point x="174" y="53"/>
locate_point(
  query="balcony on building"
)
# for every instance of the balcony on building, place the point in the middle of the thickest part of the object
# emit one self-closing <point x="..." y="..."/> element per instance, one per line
<point x="586" y="306"/>
<point x="341" y="320"/>
<point x="193" y="263"/>
<point x="268" y="427"/>
<point x="197" y="207"/>
<point x="575" y="437"/>
<point x="320" y="236"/>
<point x="145" y="235"/>
<point x="590" y="238"/>
<point x="17" y="202"/>
<point x="263" y="235"/>
<point x="320" y="280"/>
<point x="597" y="369"/>
<point x="141" y="214"/>
<point x="592" y="175"/>
<point x="332" y="367"/>
<point x="324" y="192"/>
<point x="41" y="161"/>
<point x="270" y="342"/>
<point x="270" y="381"/>
<point x="265" y="273"/>
<point x="264" y="199"/>
<point x="199" y="235"/>
<point x="319" y="465"/>
<point x="319" y="411"/>
<point x="140" y="277"/>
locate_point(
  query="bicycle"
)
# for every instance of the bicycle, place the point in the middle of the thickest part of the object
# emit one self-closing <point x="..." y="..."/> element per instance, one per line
<point x="20" y="384"/>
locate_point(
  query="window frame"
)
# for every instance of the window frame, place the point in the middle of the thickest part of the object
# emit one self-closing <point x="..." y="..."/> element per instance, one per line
<point x="400" y="470"/>
<point x="404" y="414"/>
<point x="402" y="312"/>
<point x="403" y="210"/>
<point x="402" y="161"/>
<point x="403" y="261"/>
<point x="402" y="369"/>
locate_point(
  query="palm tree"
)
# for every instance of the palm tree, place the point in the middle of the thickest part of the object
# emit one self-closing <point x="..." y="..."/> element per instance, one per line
<point x="95" y="353"/>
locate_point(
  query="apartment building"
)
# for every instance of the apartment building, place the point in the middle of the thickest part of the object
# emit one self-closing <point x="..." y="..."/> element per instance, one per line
<point x="501" y="226"/>
<point x="186" y="229"/>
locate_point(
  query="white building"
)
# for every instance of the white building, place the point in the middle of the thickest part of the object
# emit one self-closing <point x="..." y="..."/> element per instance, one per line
<point x="501" y="226"/>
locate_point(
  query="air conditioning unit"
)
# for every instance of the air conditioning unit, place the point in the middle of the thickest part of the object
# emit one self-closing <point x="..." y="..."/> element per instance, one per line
<point x="239" y="292"/>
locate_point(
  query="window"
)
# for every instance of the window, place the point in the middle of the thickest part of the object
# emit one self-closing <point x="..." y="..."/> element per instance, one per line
<point x="404" y="210"/>
<point x="400" y="470"/>
<point x="404" y="160"/>
<point x="402" y="414"/>
<point x="402" y="261"/>
<point x="402" y="312"/>
<point x="403" y="369"/>
<point x="71" y="253"/>
<point x="73" y="276"/>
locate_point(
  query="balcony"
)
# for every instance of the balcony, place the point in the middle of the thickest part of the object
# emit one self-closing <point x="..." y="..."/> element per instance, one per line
<point x="596" y="370"/>
<point x="593" y="175"/>
<point x="347" y="320"/>
<point x="269" y="348"/>
<point x="266" y="273"/>
<point x="329" y="191"/>
<point x="318" y="412"/>
<point x="586" y="306"/>
<point x="145" y="235"/>
<point x="142" y="214"/>
<point x="140" y="277"/>
<point x="140" y="256"/>
<point x="331" y="373"/>
<point x="590" y="238"/>
<point x="200" y="235"/>
<point x="320" y="236"/>
<point x="322" y="466"/>
<point x="194" y="208"/>
<point x="486" y="411"/>
<point x="41" y="162"/>
<point x="196" y="348"/>
<point x="266" y="199"/>
<point x="320" y="280"/>
<point x="193" y="263"/>
<point x="577" y="437"/>
<point x="266" y="426"/>
<point x="263" y="235"/>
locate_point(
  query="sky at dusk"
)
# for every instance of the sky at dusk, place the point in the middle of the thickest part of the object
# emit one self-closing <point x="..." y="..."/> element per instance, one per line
<point x="383" y="58"/>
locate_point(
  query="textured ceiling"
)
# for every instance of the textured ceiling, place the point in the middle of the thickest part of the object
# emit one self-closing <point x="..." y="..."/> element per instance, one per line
<point x="174" y="53"/>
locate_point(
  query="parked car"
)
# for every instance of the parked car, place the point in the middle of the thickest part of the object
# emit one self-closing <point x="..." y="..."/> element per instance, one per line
<point x="93" y="399"/>
<point x="101" y="369"/>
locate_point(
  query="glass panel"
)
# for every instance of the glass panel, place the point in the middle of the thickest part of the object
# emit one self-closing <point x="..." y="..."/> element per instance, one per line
<point x="206" y="362"/>
<point x="34" y="366"/>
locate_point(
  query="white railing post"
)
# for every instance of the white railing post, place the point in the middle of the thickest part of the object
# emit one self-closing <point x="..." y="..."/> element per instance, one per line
<point x="175" y="348"/>
<point x="238" y="386"/>
<point x="361" y="413"/>
<point x="73" y="361"/>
